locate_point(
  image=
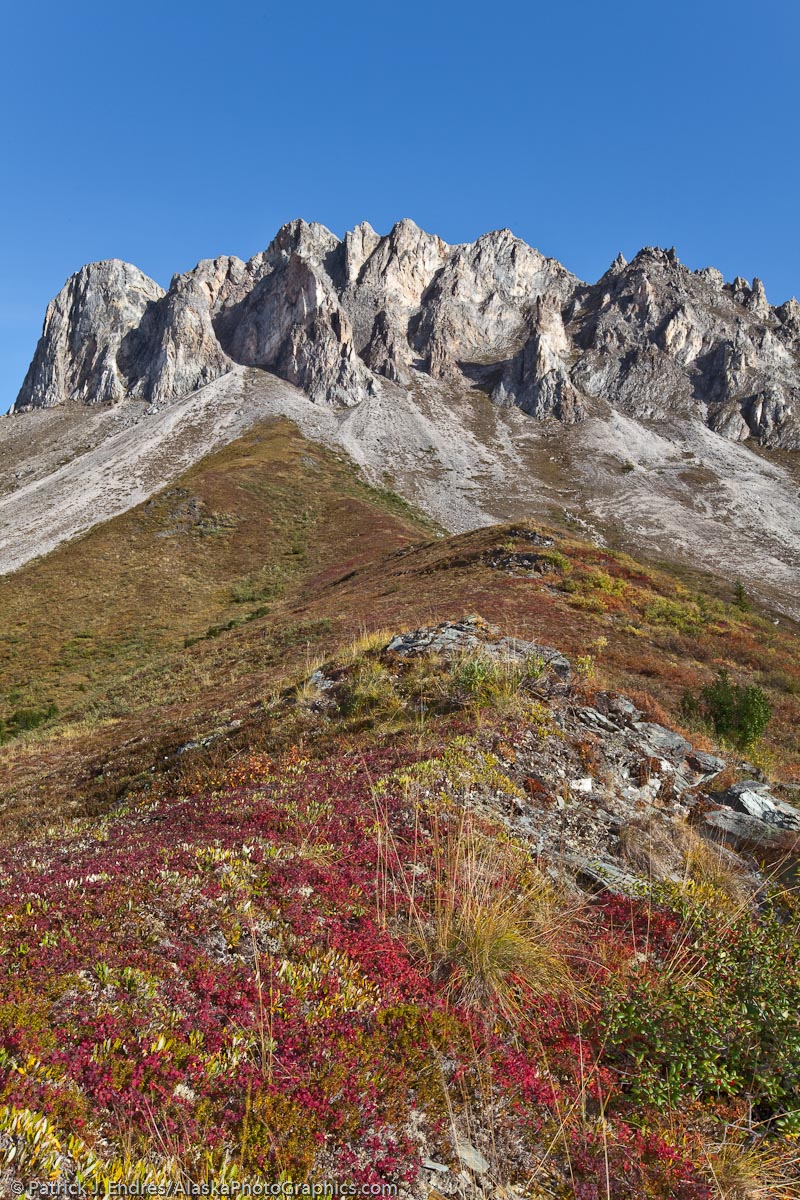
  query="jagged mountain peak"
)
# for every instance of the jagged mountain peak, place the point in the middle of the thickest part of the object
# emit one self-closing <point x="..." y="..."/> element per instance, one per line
<point x="302" y="237"/>
<point x="359" y="244"/>
<point x="652" y="338"/>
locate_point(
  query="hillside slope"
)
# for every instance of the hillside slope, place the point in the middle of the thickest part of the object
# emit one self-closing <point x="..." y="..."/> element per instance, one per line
<point x="250" y="523"/>
<point x="443" y="912"/>
<point x="332" y="846"/>
<point x="170" y="623"/>
<point x="681" y="495"/>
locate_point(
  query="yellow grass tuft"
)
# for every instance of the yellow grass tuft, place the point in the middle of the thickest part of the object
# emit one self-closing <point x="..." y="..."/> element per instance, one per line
<point x="366" y="642"/>
<point x="760" y="1170"/>
<point x="491" y="926"/>
<point x="659" y="851"/>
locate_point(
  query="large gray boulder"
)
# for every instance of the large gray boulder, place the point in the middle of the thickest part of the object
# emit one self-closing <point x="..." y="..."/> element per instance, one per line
<point x="757" y="800"/>
<point x="752" y="817"/>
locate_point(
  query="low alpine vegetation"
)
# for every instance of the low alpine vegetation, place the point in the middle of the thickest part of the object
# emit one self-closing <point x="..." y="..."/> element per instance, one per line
<point x="352" y="907"/>
<point x="736" y="713"/>
<point x="228" y="964"/>
<point x="23" y="720"/>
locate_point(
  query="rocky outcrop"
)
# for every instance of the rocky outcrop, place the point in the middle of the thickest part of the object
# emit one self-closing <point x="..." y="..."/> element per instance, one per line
<point x="392" y="278"/>
<point x="749" y="816"/>
<point x="84" y="329"/>
<point x="603" y="795"/>
<point x="659" y="341"/>
<point x="548" y="667"/>
<point x="652" y="339"/>
<point x="384" y="294"/>
<point x="175" y="350"/>
<point x="477" y="310"/>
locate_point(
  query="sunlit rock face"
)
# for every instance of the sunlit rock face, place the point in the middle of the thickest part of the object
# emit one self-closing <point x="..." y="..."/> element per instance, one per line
<point x="651" y="338"/>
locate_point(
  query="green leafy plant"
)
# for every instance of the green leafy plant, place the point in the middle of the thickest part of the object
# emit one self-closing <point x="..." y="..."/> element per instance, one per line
<point x="485" y="682"/>
<point x="738" y="714"/>
<point x="723" y="1018"/>
<point x="685" y="616"/>
<point x="370" y="694"/>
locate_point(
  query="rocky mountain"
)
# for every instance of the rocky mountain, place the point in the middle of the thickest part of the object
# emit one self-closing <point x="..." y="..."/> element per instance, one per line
<point x="304" y="871"/>
<point x="484" y="382"/>
<point x="651" y="338"/>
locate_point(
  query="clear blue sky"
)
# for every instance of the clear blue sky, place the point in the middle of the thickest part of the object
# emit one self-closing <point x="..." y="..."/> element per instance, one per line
<point x="167" y="132"/>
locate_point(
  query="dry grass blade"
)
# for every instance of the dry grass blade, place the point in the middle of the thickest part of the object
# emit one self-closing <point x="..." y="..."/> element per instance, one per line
<point x="659" y="850"/>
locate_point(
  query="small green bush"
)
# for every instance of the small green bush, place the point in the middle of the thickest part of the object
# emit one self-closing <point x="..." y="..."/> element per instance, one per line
<point x="22" y="720"/>
<point x="267" y="584"/>
<point x="685" y="616"/>
<point x="371" y="695"/>
<point x="473" y="675"/>
<point x="601" y="581"/>
<point x="725" y="1024"/>
<point x="484" y="682"/>
<point x="737" y="714"/>
<point x="557" y="560"/>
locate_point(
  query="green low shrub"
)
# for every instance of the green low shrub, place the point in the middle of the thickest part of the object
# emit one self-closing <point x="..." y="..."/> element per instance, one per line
<point x="719" y="1021"/>
<point x="736" y="713"/>
<point x="22" y="720"/>
<point x="685" y="616"/>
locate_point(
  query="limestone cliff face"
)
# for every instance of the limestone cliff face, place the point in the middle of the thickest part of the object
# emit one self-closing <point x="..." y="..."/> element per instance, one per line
<point x="85" y="327"/>
<point x="658" y="340"/>
<point x="292" y="322"/>
<point x="651" y="338"/>
<point x="479" y="306"/>
<point x="175" y="350"/>
<point x="383" y="291"/>
<point x="537" y="378"/>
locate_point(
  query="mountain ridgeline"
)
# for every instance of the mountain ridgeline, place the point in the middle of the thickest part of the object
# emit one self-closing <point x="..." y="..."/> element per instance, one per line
<point x="652" y="339"/>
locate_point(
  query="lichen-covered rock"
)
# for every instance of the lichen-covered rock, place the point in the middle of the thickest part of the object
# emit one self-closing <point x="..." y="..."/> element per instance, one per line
<point x="474" y="636"/>
<point x="756" y="799"/>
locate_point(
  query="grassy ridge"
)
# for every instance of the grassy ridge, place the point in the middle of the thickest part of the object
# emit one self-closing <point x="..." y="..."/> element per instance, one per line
<point x="236" y="533"/>
<point x="175" y="623"/>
